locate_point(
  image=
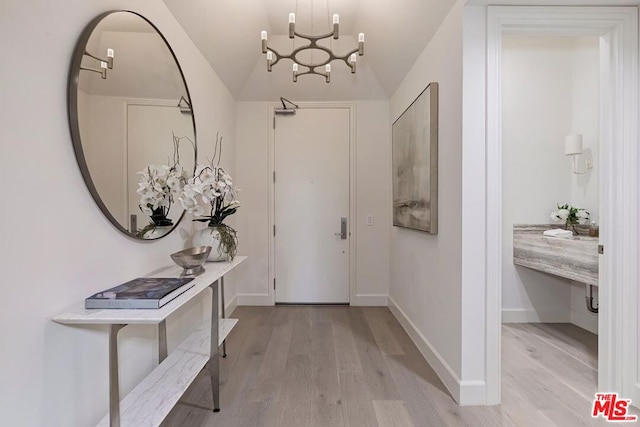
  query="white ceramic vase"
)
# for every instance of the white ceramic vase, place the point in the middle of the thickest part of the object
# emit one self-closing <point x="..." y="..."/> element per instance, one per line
<point x="210" y="236"/>
<point x="157" y="231"/>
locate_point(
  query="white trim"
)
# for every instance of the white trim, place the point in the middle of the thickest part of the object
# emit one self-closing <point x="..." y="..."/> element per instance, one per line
<point x="253" y="299"/>
<point x="230" y="306"/>
<point x="617" y="26"/>
<point x="522" y="315"/>
<point x="370" y="300"/>
<point x="473" y="393"/>
<point x="352" y="193"/>
<point x="446" y="374"/>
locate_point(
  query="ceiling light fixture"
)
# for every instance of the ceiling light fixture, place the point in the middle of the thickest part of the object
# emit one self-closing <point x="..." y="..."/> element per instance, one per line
<point x="273" y="56"/>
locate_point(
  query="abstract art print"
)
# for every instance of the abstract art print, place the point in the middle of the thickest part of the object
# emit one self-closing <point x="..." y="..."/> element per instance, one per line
<point x="415" y="164"/>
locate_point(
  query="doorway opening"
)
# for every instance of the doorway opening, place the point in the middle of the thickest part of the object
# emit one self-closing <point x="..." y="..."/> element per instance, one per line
<point x="550" y="103"/>
<point x="616" y="30"/>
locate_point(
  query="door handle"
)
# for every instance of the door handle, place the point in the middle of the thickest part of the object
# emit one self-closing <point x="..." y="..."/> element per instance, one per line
<point x="343" y="228"/>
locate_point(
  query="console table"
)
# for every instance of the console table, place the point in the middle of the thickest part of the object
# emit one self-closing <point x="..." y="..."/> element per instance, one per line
<point x="153" y="398"/>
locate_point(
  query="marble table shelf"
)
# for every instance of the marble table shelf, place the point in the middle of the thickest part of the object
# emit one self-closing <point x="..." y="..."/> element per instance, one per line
<point x="575" y="259"/>
<point x="154" y="397"/>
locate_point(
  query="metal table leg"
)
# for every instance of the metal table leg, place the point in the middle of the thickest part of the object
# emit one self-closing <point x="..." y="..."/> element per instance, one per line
<point x="214" y="354"/>
<point x="162" y="341"/>
<point x="224" y="343"/>
<point x="114" y="386"/>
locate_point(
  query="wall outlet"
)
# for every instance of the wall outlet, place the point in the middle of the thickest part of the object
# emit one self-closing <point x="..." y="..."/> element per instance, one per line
<point x="369" y="219"/>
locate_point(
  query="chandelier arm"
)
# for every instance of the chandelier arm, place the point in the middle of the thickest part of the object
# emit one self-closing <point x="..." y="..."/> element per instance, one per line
<point x="315" y="38"/>
<point x="277" y="54"/>
<point x="320" y="73"/>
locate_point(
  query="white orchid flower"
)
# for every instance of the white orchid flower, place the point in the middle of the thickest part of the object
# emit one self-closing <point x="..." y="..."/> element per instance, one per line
<point x="197" y="211"/>
<point x="563" y="214"/>
<point x="174" y="183"/>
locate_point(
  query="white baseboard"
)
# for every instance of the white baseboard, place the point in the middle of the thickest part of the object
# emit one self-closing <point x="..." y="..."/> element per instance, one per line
<point x="230" y="306"/>
<point x="446" y="374"/>
<point x="522" y="315"/>
<point x="253" y="299"/>
<point x="371" y="300"/>
<point x="473" y="393"/>
<point x="363" y="300"/>
<point x="588" y="321"/>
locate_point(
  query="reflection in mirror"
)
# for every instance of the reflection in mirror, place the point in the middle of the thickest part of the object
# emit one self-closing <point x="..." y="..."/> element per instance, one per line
<point x="131" y="122"/>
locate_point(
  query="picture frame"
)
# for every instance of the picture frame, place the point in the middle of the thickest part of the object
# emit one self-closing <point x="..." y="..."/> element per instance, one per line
<point x="415" y="163"/>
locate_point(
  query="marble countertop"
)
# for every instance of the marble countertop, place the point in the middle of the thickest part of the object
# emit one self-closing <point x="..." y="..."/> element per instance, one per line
<point x="575" y="258"/>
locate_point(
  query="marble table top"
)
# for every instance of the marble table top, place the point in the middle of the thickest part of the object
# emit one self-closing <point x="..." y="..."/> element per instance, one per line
<point x="214" y="270"/>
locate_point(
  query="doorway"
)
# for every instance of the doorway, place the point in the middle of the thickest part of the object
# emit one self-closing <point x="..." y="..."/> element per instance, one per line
<point x="148" y="131"/>
<point x="311" y="208"/>
<point x="616" y="29"/>
<point x="549" y="95"/>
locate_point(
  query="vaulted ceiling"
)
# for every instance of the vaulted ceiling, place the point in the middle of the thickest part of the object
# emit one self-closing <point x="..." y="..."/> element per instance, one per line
<point x="227" y="32"/>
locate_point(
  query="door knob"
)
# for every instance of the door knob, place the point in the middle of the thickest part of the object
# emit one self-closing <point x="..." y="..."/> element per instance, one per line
<point x="343" y="228"/>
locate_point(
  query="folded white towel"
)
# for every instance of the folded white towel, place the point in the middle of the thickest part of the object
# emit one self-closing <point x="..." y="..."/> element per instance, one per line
<point x="558" y="232"/>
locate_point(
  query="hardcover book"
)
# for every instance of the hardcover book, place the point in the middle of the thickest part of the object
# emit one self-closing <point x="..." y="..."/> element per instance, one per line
<point x="143" y="292"/>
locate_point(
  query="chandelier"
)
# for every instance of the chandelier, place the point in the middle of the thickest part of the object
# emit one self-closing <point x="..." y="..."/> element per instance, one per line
<point x="273" y="56"/>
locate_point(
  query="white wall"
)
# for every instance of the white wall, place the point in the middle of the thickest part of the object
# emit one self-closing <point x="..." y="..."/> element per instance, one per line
<point x="425" y="282"/>
<point x="550" y="87"/>
<point x="373" y="196"/>
<point x="57" y="248"/>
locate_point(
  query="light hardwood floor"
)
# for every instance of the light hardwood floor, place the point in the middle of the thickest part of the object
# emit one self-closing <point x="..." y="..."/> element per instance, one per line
<point x="346" y="366"/>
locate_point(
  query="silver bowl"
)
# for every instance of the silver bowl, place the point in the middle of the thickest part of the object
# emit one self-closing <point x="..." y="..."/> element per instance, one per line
<point x="191" y="260"/>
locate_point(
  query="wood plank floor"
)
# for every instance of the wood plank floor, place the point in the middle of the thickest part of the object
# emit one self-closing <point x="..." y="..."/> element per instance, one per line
<point x="350" y="366"/>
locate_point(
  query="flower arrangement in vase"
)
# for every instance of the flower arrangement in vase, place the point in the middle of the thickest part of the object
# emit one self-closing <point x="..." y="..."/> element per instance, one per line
<point x="571" y="216"/>
<point x="212" y="186"/>
<point x="158" y="186"/>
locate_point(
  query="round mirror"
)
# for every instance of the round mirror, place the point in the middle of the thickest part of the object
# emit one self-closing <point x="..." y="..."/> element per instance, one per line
<point x="131" y="122"/>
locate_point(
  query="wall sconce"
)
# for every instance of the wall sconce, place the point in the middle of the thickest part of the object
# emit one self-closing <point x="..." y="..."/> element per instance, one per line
<point x="104" y="63"/>
<point x="573" y="147"/>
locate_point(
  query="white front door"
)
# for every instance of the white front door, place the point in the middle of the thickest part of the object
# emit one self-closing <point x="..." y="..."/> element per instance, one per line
<point x="311" y="204"/>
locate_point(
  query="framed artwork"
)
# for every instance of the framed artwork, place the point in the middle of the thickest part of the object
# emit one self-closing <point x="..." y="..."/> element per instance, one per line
<point x="415" y="164"/>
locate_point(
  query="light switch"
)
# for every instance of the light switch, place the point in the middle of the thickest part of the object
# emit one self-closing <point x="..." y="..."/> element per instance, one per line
<point x="369" y="219"/>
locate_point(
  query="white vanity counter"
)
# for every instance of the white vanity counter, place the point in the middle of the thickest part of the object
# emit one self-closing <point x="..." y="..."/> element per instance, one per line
<point x="575" y="258"/>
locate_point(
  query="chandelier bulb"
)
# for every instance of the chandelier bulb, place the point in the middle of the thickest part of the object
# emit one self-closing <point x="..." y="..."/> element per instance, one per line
<point x="263" y="35"/>
<point x="269" y="56"/>
<point x="327" y="68"/>
<point x="361" y="38"/>
<point x="353" y="57"/>
<point x="109" y="53"/>
<point x="292" y="18"/>
<point x="336" y="18"/>
<point x="295" y="67"/>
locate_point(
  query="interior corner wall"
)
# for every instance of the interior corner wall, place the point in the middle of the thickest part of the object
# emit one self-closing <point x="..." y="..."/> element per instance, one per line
<point x="373" y="196"/>
<point x="425" y="281"/>
<point x="57" y="247"/>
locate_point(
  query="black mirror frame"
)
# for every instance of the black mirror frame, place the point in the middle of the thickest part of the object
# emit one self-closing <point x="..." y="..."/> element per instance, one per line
<point x="72" y="110"/>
